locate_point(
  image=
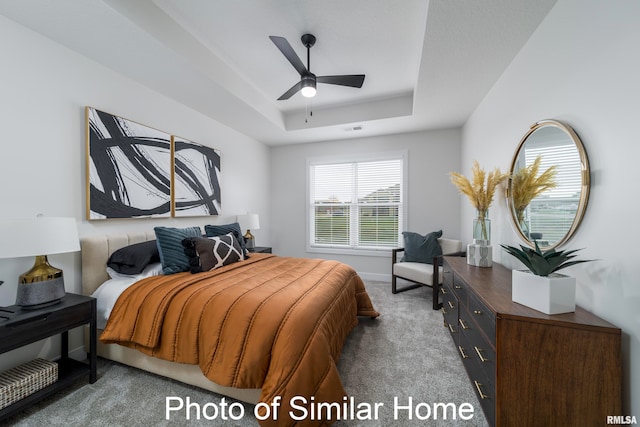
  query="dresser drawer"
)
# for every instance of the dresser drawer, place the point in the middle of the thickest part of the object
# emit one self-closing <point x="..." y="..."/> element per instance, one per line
<point x="483" y="317"/>
<point x="479" y="348"/>
<point x="44" y="324"/>
<point x="460" y="289"/>
<point x="447" y="275"/>
<point x="450" y="311"/>
<point x="484" y="390"/>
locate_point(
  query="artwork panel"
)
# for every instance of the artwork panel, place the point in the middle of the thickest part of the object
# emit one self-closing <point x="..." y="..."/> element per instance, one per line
<point x="129" y="168"/>
<point x="196" y="179"/>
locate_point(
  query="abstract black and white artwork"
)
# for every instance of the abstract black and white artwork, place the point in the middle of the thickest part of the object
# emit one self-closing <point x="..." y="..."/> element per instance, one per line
<point x="196" y="179"/>
<point x="128" y="168"/>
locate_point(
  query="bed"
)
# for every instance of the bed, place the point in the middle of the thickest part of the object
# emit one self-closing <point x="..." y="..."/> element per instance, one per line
<point x="321" y="320"/>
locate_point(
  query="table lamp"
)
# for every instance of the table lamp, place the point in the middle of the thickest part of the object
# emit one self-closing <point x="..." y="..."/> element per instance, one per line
<point x="249" y="221"/>
<point x="43" y="284"/>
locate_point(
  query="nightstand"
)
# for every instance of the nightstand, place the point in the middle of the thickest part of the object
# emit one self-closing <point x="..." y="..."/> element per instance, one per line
<point x="19" y="327"/>
<point x="261" y="249"/>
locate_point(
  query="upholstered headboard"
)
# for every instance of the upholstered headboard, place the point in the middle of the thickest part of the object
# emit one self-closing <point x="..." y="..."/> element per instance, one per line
<point x="96" y="250"/>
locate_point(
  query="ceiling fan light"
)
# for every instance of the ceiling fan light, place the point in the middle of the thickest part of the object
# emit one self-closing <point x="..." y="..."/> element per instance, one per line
<point x="308" y="89"/>
<point x="308" y="92"/>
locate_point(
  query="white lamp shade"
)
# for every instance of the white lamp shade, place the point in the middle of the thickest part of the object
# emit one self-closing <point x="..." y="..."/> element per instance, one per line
<point x="21" y="237"/>
<point x="249" y="221"/>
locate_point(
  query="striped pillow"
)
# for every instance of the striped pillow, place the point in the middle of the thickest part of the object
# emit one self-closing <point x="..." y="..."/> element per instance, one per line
<point x="172" y="254"/>
<point x="222" y="229"/>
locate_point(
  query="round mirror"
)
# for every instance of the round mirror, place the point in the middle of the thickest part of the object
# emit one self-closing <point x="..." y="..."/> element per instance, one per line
<point x="548" y="184"/>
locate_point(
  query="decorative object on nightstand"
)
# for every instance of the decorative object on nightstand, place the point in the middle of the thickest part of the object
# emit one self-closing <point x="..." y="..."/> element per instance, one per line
<point x="480" y="192"/>
<point x="249" y="222"/>
<point x="43" y="284"/>
<point x="541" y="288"/>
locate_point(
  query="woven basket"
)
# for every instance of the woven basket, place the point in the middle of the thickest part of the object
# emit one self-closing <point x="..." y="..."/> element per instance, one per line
<point x="26" y="379"/>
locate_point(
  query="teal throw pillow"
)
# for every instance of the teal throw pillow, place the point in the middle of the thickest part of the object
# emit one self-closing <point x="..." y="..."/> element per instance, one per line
<point x="215" y="230"/>
<point x="170" y="247"/>
<point x="419" y="248"/>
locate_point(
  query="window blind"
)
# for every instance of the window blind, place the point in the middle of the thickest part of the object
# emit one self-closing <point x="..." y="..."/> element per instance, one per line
<point x="356" y="205"/>
<point x="555" y="210"/>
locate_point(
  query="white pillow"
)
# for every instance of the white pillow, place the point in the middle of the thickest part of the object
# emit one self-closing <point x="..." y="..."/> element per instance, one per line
<point x="154" y="269"/>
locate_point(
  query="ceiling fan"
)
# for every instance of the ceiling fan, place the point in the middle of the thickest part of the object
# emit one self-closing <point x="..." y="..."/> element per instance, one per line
<point x="308" y="80"/>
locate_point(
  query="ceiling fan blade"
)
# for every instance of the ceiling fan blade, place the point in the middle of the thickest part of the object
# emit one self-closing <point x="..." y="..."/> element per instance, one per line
<point x="353" y="80"/>
<point x="294" y="89"/>
<point x="286" y="49"/>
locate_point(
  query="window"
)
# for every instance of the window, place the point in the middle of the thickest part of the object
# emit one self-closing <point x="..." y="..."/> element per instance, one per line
<point x="356" y="205"/>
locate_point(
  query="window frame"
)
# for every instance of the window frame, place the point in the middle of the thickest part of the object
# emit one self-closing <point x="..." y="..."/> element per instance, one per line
<point x="401" y="155"/>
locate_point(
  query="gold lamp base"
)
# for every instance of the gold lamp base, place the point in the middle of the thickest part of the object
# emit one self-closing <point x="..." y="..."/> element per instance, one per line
<point x="249" y="239"/>
<point x="41" y="286"/>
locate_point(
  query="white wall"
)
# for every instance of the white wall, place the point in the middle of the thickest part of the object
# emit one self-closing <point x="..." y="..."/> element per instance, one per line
<point x="44" y="88"/>
<point x="431" y="156"/>
<point x="582" y="67"/>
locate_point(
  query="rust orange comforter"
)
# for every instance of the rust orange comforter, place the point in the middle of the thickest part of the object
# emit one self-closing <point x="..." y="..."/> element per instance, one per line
<point x="268" y="322"/>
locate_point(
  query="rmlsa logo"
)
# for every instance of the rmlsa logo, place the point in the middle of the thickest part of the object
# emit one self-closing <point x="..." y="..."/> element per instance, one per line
<point x="621" y="419"/>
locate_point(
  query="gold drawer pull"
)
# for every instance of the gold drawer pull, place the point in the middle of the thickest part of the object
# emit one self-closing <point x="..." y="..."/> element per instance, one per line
<point x="462" y="353"/>
<point x="444" y="311"/>
<point x="443" y="290"/>
<point x="478" y="312"/>
<point x="479" y="388"/>
<point x="479" y="351"/>
<point x="451" y="305"/>
<point x="451" y="328"/>
<point x="464" y="326"/>
<point x="457" y="286"/>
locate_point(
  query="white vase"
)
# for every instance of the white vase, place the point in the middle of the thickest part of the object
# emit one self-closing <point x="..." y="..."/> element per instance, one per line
<point x="553" y="294"/>
<point x="480" y="253"/>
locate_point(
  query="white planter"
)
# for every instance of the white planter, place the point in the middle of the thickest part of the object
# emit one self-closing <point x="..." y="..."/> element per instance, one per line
<point x="554" y="294"/>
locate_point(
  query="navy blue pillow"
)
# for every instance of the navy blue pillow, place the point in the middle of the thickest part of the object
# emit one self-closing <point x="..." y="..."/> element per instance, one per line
<point x="134" y="258"/>
<point x="419" y="248"/>
<point x="221" y="230"/>
<point x="172" y="254"/>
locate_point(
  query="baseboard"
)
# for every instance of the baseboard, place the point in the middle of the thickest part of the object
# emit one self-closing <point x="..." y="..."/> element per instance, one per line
<point x="375" y="277"/>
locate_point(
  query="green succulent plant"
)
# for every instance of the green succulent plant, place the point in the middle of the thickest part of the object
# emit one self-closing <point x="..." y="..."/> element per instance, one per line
<point x="544" y="263"/>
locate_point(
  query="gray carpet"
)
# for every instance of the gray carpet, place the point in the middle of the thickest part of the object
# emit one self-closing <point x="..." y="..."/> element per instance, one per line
<point x="405" y="353"/>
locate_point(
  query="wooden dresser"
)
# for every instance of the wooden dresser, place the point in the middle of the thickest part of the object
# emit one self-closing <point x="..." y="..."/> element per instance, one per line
<point x="529" y="368"/>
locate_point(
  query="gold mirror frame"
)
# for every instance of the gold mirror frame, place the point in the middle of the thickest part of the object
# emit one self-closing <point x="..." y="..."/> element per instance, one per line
<point x="584" y="187"/>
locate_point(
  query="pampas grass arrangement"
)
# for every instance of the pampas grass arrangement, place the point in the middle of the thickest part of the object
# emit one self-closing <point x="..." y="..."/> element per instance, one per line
<point x="480" y="190"/>
<point x="526" y="185"/>
<point x="482" y="187"/>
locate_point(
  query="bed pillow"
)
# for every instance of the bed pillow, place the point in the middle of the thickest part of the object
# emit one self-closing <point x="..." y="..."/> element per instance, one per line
<point x="134" y="258"/>
<point x="170" y="247"/>
<point x="222" y="229"/>
<point x="208" y="253"/>
<point x="419" y="248"/>
<point x="153" y="269"/>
